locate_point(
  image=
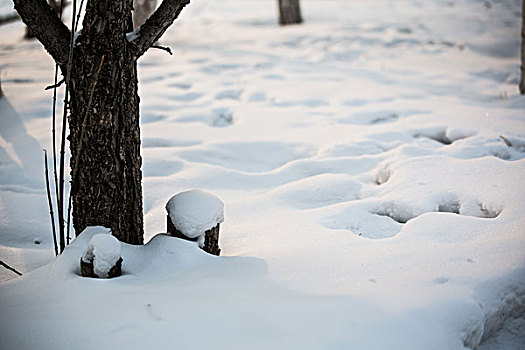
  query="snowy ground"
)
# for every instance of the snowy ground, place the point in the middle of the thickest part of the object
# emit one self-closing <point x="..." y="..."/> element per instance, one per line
<point x="370" y="162"/>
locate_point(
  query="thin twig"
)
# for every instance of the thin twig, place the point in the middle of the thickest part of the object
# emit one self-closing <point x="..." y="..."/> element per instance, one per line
<point x="9" y="268"/>
<point x="56" y="84"/>
<point x="78" y="16"/>
<point x="506" y="140"/>
<point x="53" y="132"/>
<point x="50" y="203"/>
<point x="165" y="48"/>
<point x="60" y="199"/>
<point x="81" y="138"/>
<point x="68" y="236"/>
<point x="63" y="139"/>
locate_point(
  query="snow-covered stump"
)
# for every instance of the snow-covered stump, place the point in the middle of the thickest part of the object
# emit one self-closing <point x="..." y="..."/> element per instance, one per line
<point x="101" y="258"/>
<point x="196" y="216"/>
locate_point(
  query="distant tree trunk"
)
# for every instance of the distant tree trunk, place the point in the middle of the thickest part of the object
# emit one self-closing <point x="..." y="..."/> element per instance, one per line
<point x="142" y="9"/>
<point x="106" y="172"/>
<point x="289" y="12"/>
<point x="522" y="81"/>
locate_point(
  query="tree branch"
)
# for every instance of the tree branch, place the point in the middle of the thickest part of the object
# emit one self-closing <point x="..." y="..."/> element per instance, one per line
<point x="156" y="25"/>
<point x="48" y="28"/>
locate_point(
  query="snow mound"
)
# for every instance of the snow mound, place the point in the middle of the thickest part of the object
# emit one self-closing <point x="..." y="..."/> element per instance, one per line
<point x="104" y="251"/>
<point x="194" y="212"/>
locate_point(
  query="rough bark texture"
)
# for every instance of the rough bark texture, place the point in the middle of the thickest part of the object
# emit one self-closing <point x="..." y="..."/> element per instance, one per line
<point x="46" y="26"/>
<point x="106" y="188"/>
<point x="289" y="12"/>
<point x="142" y="10"/>
<point x="55" y="5"/>
<point x="522" y="81"/>
<point x="211" y="237"/>
<point x="104" y="135"/>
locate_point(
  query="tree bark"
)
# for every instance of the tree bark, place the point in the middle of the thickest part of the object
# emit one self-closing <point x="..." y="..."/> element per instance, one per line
<point x="289" y="12"/>
<point x="522" y="81"/>
<point x="47" y="27"/>
<point x="106" y="164"/>
<point x="106" y="176"/>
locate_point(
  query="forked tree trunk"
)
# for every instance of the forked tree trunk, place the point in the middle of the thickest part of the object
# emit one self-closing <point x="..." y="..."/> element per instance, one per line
<point x="522" y="80"/>
<point x="106" y="165"/>
<point x="104" y="106"/>
<point x="289" y="12"/>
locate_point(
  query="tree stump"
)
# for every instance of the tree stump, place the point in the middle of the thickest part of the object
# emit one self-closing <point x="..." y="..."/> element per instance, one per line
<point x="196" y="216"/>
<point x="211" y="237"/>
<point x="87" y="269"/>
<point x="289" y="12"/>
<point x="102" y="257"/>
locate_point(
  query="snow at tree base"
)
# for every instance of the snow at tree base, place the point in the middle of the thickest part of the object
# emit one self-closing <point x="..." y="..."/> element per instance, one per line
<point x="370" y="161"/>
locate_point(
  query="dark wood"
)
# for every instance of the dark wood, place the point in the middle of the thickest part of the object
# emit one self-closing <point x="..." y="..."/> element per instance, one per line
<point x="289" y="12"/>
<point x="107" y="184"/>
<point x="47" y="27"/>
<point x="211" y="237"/>
<point x="87" y="269"/>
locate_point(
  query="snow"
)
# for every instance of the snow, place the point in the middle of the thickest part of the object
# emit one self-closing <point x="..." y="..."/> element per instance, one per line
<point x="103" y="251"/>
<point x="194" y="212"/>
<point x="371" y="161"/>
<point x="133" y="35"/>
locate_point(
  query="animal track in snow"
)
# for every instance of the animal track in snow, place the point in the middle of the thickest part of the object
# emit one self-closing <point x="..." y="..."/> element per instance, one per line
<point x="445" y="136"/>
<point x="402" y="214"/>
<point x="151" y="142"/>
<point x="319" y="191"/>
<point x="441" y="280"/>
<point x="234" y="94"/>
<point x="378" y="116"/>
<point x="251" y="157"/>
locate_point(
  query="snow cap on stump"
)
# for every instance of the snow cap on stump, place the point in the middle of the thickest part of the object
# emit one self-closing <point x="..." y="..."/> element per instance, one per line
<point x="101" y="258"/>
<point x="194" y="213"/>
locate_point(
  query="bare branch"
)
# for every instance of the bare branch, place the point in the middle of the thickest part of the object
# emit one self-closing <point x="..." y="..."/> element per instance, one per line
<point x="10" y="268"/>
<point x="165" y="48"/>
<point x="48" y="28"/>
<point x="156" y="25"/>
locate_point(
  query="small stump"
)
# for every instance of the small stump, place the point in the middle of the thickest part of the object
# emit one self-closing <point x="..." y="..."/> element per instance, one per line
<point x="196" y="216"/>
<point x="101" y="258"/>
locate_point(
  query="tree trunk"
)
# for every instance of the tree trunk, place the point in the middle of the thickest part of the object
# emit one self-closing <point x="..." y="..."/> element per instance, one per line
<point x="289" y="12"/>
<point x="106" y="164"/>
<point x="142" y="10"/>
<point x="522" y="81"/>
<point x="104" y="132"/>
